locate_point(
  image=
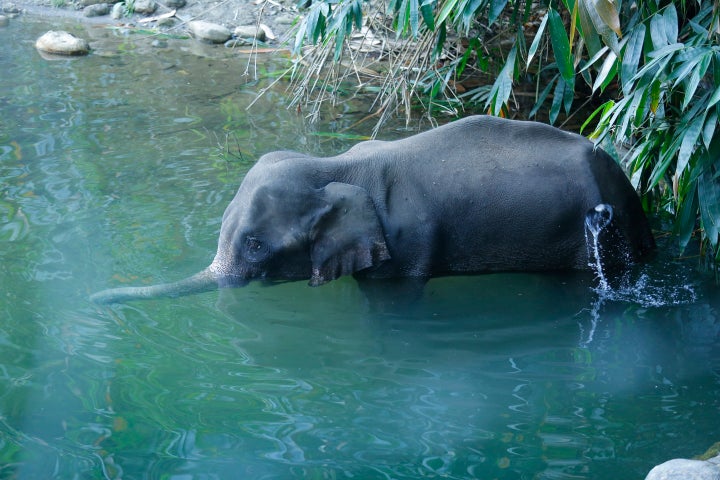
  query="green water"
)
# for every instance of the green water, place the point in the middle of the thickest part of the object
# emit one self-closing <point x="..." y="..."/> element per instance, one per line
<point x="111" y="174"/>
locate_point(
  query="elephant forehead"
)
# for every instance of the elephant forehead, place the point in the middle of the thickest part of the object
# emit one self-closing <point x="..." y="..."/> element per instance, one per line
<point x="277" y="205"/>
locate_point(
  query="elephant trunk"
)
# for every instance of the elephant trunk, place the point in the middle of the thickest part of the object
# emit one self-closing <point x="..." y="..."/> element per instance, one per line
<point x="202" y="281"/>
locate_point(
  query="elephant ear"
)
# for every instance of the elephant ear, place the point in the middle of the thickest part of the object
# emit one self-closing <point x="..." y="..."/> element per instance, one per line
<point x="347" y="236"/>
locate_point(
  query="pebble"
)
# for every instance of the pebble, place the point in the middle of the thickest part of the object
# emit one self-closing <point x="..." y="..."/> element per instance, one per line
<point x="60" y="42"/>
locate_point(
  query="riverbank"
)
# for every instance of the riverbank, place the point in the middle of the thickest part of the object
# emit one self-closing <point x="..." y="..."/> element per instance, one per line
<point x="269" y="20"/>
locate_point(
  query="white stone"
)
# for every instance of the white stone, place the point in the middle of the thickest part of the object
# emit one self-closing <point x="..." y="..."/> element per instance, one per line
<point x="682" y="469"/>
<point x="60" y="42"/>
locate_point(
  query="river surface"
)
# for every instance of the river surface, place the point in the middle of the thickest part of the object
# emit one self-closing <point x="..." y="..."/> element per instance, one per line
<point x="115" y="169"/>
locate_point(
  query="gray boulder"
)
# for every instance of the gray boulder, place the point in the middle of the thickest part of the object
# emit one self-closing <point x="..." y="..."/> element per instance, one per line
<point x="96" y="10"/>
<point x="208" y="31"/>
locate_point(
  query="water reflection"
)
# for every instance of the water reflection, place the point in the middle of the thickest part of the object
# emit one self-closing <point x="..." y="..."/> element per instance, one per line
<point x="104" y="179"/>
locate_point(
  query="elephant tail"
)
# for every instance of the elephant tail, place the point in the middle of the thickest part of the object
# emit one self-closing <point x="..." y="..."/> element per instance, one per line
<point x="202" y="281"/>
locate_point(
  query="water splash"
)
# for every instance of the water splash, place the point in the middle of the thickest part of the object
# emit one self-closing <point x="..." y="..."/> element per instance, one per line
<point x="662" y="284"/>
<point x="595" y="221"/>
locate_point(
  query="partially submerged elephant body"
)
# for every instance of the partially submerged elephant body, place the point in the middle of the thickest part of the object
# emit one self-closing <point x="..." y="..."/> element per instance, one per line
<point x="478" y="195"/>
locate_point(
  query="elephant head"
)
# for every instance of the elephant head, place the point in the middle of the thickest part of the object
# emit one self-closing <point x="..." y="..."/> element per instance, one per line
<point x="278" y="231"/>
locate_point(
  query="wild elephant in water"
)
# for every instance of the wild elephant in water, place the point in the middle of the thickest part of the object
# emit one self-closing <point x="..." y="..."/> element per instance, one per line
<point x="478" y="195"/>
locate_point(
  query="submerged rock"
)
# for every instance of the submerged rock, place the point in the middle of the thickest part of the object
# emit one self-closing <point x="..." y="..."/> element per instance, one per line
<point x="60" y="42"/>
<point x="208" y="31"/>
<point x="4" y="21"/>
<point x="682" y="469"/>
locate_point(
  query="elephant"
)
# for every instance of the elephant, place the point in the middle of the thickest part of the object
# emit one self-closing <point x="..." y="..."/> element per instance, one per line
<point x="478" y="195"/>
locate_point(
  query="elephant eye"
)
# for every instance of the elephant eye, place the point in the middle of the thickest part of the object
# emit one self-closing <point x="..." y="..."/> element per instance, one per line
<point x="255" y="249"/>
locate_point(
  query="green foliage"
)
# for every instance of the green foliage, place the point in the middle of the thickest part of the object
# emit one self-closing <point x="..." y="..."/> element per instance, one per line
<point x="667" y="114"/>
<point x="651" y="68"/>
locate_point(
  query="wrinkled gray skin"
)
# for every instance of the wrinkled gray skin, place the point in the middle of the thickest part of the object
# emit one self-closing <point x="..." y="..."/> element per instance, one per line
<point x="481" y="194"/>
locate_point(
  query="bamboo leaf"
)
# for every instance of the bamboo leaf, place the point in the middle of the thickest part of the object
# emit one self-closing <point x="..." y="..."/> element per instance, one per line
<point x="642" y="107"/>
<point x="607" y="71"/>
<point x="569" y="95"/>
<point x="655" y="96"/>
<point x="426" y="10"/>
<point x="659" y="60"/>
<point x="536" y="41"/>
<point x="501" y="89"/>
<point x="543" y="95"/>
<point x="630" y="114"/>
<point x="589" y="32"/>
<point x="670" y="22"/>
<point x="602" y="108"/>
<point x="414" y="17"/>
<point x="470" y="11"/>
<point x="573" y="23"/>
<point x="594" y="59"/>
<point x="709" y="128"/>
<point x="300" y="36"/>
<point x="631" y="57"/>
<point x="608" y="30"/>
<point x="713" y="99"/>
<point x="657" y="32"/>
<point x="446" y="10"/>
<point x="560" y="45"/>
<point x="608" y="12"/>
<point x="441" y="35"/>
<point x="496" y="8"/>
<point x="667" y="153"/>
<point x="357" y="9"/>
<point x="558" y="95"/>
<point x="687" y="147"/>
<point x="685" y="220"/>
<point x="402" y="18"/>
<point x="682" y="68"/>
<point x="697" y="74"/>
<point x="709" y="202"/>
